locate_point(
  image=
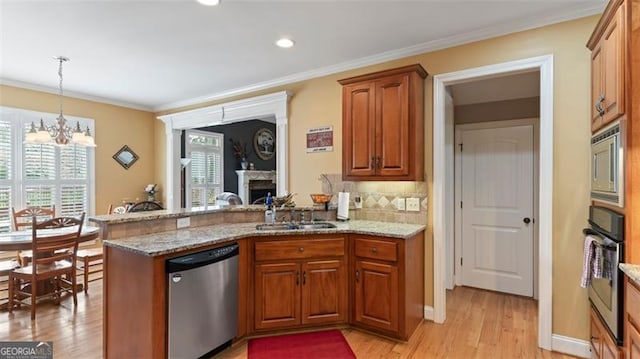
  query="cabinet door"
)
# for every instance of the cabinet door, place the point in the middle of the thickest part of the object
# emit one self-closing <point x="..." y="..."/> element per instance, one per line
<point x="392" y="132"/>
<point x="376" y="295"/>
<point x="358" y="130"/>
<point x="597" y="89"/>
<point x="596" y="335"/>
<point x="613" y="52"/>
<point x="324" y="292"/>
<point x="633" y="342"/>
<point x="277" y="295"/>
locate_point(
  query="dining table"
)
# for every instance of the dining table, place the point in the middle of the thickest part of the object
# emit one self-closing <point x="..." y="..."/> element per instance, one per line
<point x="22" y="240"/>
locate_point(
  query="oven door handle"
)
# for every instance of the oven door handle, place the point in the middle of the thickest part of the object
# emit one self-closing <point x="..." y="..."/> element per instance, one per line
<point x="589" y="231"/>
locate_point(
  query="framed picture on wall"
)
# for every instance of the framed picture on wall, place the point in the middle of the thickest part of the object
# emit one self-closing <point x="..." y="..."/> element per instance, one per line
<point x="264" y="143"/>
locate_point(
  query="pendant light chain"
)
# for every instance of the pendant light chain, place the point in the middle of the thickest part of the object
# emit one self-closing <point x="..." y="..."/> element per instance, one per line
<point x="61" y="59"/>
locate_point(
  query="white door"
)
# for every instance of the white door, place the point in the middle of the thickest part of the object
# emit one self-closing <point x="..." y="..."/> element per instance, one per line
<point x="497" y="209"/>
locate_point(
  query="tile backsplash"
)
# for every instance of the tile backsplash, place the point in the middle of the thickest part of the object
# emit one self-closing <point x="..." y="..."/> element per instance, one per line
<point x="379" y="198"/>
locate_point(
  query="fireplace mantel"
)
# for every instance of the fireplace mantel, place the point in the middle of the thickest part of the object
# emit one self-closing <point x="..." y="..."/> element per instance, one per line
<point x="246" y="176"/>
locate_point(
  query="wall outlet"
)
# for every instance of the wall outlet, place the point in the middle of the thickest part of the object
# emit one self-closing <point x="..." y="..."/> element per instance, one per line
<point x="183" y="222"/>
<point x="413" y="204"/>
<point x="357" y="202"/>
<point x="400" y="204"/>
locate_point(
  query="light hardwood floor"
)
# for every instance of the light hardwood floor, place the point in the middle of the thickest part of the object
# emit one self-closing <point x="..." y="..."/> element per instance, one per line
<point x="480" y="324"/>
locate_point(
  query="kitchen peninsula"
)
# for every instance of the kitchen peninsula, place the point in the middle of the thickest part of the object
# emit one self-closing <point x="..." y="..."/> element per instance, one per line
<point x="362" y="273"/>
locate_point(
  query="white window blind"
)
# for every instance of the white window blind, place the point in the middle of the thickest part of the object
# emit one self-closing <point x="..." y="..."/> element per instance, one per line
<point x="206" y="177"/>
<point x="6" y="173"/>
<point x="43" y="175"/>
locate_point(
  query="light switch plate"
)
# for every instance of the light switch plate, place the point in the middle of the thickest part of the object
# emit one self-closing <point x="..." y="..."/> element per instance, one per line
<point x="183" y="222"/>
<point x="413" y="204"/>
<point x="400" y="204"/>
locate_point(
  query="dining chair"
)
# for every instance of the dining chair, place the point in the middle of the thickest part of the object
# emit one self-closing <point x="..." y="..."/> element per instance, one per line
<point x="22" y="220"/>
<point x="144" y="206"/>
<point x="89" y="261"/>
<point x="54" y="258"/>
<point x="6" y="266"/>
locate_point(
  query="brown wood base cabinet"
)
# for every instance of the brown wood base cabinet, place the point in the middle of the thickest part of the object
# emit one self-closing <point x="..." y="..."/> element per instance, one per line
<point x="284" y="283"/>
<point x="300" y="281"/>
<point x="632" y="319"/>
<point x="388" y="290"/>
<point x="602" y="344"/>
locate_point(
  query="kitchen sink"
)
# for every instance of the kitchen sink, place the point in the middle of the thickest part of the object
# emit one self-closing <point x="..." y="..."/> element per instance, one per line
<point x="292" y="226"/>
<point x="276" y="226"/>
<point x="318" y="225"/>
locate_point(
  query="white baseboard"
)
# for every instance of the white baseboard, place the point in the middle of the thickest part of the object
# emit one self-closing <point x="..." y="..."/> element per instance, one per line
<point x="428" y="312"/>
<point x="572" y="346"/>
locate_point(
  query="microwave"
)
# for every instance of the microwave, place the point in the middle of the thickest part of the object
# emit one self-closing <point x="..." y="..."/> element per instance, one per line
<point x="607" y="166"/>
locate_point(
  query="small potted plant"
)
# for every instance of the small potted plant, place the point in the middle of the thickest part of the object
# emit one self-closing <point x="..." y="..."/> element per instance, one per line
<point x="240" y="152"/>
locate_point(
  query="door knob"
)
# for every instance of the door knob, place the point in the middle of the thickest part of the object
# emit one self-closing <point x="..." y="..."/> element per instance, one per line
<point x="526" y="220"/>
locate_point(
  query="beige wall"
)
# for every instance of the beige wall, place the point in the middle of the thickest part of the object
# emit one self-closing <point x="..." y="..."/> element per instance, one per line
<point x="317" y="102"/>
<point x="497" y="111"/>
<point x="114" y="127"/>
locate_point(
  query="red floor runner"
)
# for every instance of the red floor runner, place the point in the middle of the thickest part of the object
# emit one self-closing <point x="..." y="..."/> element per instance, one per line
<point x="326" y="344"/>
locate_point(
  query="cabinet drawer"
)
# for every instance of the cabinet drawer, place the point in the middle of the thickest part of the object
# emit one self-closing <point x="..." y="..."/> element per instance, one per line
<point x="632" y="301"/>
<point x="373" y="249"/>
<point x="299" y="249"/>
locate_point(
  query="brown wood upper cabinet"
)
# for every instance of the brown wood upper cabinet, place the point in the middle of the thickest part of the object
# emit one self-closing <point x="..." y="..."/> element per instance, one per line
<point x="607" y="67"/>
<point x="383" y="125"/>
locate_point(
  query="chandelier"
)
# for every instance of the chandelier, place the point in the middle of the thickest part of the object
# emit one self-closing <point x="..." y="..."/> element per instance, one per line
<point x="60" y="134"/>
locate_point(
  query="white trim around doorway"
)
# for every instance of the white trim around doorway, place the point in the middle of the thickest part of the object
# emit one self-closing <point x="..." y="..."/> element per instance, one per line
<point x="443" y="184"/>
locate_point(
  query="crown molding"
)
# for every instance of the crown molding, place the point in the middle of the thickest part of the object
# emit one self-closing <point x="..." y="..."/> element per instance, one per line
<point x="446" y="42"/>
<point x="78" y="95"/>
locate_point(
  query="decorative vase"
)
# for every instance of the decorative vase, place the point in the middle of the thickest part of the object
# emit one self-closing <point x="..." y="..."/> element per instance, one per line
<point x="244" y="164"/>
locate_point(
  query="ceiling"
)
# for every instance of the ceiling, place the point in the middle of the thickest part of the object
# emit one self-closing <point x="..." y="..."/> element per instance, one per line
<point x="161" y="54"/>
<point x="509" y="87"/>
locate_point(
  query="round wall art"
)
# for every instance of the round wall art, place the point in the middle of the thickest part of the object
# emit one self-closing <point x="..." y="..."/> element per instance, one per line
<point x="264" y="143"/>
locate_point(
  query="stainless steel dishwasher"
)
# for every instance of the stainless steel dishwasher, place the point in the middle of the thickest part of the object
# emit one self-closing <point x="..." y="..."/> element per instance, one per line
<point x="203" y="302"/>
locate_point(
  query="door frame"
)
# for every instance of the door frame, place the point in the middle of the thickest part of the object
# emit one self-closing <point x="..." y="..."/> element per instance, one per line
<point x="457" y="277"/>
<point x="443" y="183"/>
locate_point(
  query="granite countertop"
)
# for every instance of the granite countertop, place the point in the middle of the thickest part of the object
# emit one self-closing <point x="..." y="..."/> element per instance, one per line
<point x="162" y="243"/>
<point x="178" y="213"/>
<point x="631" y="270"/>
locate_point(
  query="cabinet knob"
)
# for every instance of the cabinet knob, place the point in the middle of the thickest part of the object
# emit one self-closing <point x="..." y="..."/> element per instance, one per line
<point x="357" y="275"/>
<point x="301" y="249"/>
<point x="374" y="250"/>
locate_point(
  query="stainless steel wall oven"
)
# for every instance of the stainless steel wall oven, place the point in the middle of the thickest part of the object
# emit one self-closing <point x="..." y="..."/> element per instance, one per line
<point x="605" y="293"/>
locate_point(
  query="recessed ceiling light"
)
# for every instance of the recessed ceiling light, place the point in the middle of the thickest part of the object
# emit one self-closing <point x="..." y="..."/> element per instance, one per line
<point x="285" y="43"/>
<point x="209" y="2"/>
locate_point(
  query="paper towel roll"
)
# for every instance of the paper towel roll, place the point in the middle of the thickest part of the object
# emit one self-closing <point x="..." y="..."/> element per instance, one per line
<point x="343" y="206"/>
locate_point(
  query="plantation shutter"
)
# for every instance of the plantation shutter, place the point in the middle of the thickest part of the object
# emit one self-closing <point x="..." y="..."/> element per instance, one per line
<point x="6" y="154"/>
<point x="206" y="168"/>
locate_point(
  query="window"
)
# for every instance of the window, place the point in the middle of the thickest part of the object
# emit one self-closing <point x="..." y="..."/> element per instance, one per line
<point x="42" y="175"/>
<point x="206" y="168"/>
